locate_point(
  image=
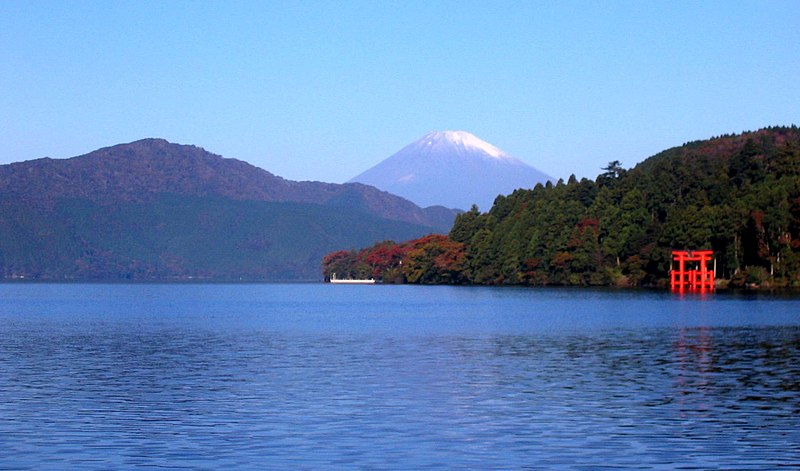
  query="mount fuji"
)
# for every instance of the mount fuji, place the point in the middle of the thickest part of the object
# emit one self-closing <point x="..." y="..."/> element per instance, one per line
<point x="451" y="168"/>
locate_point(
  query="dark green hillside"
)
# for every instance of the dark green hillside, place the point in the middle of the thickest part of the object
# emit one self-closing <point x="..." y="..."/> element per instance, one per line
<point x="181" y="237"/>
<point x="154" y="210"/>
<point x="738" y="195"/>
<point x="141" y="171"/>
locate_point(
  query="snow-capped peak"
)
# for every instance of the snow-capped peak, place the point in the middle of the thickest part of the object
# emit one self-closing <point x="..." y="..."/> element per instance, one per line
<point x="466" y="140"/>
<point x="454" y="169"/>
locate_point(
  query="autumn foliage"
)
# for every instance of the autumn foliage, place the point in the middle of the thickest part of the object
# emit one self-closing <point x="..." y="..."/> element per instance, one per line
<point x="430" y="259"/>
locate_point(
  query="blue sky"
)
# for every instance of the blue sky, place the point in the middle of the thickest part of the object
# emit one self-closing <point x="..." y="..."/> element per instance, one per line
<point x="320" y="90"/>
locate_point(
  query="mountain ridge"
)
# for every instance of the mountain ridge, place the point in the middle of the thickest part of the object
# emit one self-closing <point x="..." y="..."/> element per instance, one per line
<point x="139" y="170"/>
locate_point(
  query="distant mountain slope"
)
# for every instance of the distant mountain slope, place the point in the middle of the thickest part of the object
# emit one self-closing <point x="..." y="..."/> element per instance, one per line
<point x="143" y="169"/>
<point x="152" y="210"/>
<point x="176" y="237"/>
<point x="453" y="169"/>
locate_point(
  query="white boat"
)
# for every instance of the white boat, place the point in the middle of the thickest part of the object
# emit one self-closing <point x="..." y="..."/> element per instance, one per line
<point x="351" y="281"/>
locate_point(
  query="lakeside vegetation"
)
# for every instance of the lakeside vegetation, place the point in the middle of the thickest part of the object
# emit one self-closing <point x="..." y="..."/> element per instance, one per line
<point x="738" y="195"/>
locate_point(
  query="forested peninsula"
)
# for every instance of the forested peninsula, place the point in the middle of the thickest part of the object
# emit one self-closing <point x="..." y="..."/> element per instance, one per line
<point x="738" y="195"/>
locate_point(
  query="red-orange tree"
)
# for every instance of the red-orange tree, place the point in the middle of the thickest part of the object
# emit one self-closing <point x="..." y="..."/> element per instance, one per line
<point x="430" y="259"/>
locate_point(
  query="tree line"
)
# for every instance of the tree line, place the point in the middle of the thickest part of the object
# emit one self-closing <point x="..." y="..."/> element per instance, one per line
<point x="738" y="195"/>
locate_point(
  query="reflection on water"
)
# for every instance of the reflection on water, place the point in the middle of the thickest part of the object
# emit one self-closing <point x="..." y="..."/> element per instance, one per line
<point x="174" y="382"/>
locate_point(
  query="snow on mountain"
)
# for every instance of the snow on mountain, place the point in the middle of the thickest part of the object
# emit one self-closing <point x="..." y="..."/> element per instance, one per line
<point x="464" y="141"/>
<point x="455" y="169"/>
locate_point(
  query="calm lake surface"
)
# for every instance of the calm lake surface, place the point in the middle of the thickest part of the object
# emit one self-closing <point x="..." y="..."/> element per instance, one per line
<point x="322" y="376"/>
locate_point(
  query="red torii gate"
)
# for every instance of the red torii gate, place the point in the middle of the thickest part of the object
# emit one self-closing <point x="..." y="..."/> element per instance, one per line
<point x="696" y="276"/>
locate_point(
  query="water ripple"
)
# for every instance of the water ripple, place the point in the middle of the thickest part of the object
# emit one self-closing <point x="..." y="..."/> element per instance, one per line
<point x="117" y="392"/>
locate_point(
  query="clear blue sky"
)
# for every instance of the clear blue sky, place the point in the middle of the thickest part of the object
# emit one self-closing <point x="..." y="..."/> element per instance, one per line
<point x="322" y="90"/>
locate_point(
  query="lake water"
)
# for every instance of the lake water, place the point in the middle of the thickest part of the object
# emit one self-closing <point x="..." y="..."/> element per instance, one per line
<point x="322" y="376"/>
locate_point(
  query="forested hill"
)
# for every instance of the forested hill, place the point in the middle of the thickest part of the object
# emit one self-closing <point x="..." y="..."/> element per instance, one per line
<point x="142" y="171"/>
<point x="153" y="210"/>
<point x="738" y="195"/>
